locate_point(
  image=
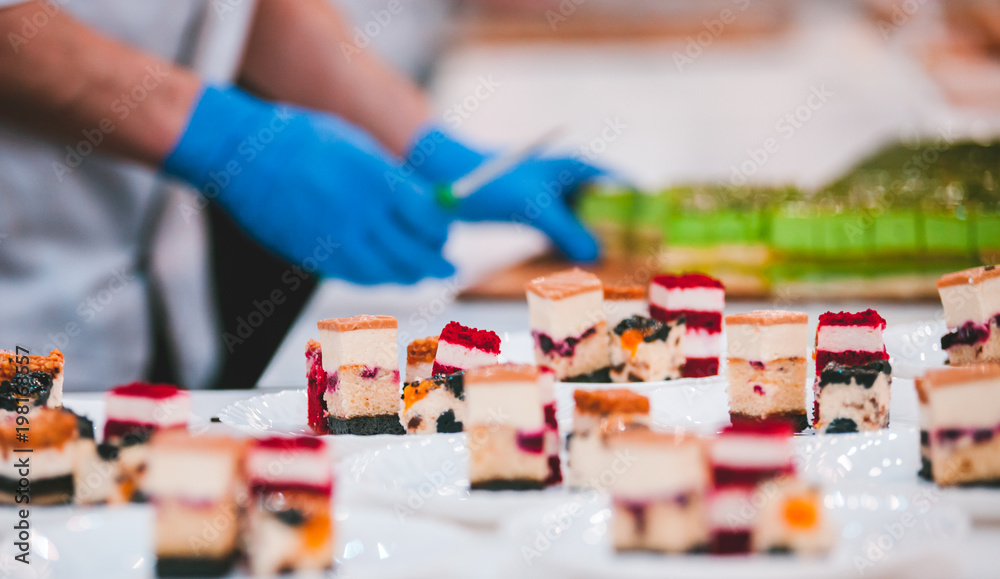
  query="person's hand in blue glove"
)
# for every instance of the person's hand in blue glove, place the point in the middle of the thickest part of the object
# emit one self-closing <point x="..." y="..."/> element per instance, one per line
<point x="535" y="192"/>
<point x="310" y="185"/>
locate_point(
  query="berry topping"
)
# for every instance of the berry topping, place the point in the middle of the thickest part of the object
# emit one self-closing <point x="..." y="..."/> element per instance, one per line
<point x="145" y="390"/>
<point x="868" y="317"/>
<point x="484" y="340"/>
<point x="687" y="280"/>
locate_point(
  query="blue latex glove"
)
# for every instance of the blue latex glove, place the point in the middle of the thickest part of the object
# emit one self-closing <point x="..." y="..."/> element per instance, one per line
<point x="311" y="186"/>
<point x="535" y="192"/>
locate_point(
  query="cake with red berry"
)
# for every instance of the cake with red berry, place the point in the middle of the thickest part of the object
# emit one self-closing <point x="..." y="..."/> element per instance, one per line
<point x="647" y="350"/>
<point x="420" y="355"/>
<point x="971" y="301"/>
<point x="852" y="398"/>
<point x="462" y="348"/>
<point x="699" y="299"/>
<point x="434" y="404"/>
<point x="566" y="311"/>
<point x="851" y="339"/>
<point x="506" y="428"/>
<point x="353" y="373"/>
<point x="598" y="415"/>
<point x="290" y="514"/>
<point x="32" y="381"/>
<point x="767" y="367"/>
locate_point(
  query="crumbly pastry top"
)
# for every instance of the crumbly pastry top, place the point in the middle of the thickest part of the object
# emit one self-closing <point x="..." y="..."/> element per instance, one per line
<point x="50" y="364"/>
<point x="49" y="427"/>
<point x="422" y="350"/>
<point x="312" y="346"/>
<point x="687" y="280"/>
<point x="868" y="317"/>
<point x="610" y="401"/>
<point x="144" y="390"/>
<point x="625" y="292"/>
<point x="502" y="373"/>
<point x="767" y="318"/>
<point x="485" y="340"/>
<point x="564" y="284"/>
<point x="363" y="322"/>
<point x="969" y="276"/>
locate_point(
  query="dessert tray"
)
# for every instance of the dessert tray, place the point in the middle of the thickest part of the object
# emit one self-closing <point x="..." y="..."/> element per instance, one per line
<point x="915" y="347"/>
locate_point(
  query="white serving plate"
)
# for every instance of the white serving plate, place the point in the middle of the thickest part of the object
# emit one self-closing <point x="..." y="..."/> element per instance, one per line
<point x="914" y="348"/>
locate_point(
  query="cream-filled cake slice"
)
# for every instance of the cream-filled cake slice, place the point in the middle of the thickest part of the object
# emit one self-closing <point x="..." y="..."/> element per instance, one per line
<point x="506" y="428"/>
<point x="566" y="311"/>
<point x="598" y="415"/>
<point x="698" y="299"/>
<point x="462" y="348"/>
<point x="646" y="350"/>
<point x="767" y="367"/>
<point x="852" y="398"/>
<point x="971" y="301"/>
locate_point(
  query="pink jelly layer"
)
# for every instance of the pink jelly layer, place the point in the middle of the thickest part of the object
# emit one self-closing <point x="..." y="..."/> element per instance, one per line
<point x="144" y="390"/>
<point x="318" y="383"/>
<point x="533" y="442"/>
<point x="700" y="367"/>
<point x="290" y="443"/>
<point x="848" y="358"/>
<point x="726" y="476"/>
<point x="710" y="322"/>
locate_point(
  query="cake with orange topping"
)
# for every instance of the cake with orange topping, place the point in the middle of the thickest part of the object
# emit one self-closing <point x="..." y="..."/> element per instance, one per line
<point x="39" y="458"/>
<point x="971" y="300"/>
<point x="434" y="404"/>
<point x="566" y="311"/>
<point x="647" y="350"/>
<point x="599" y="414"/>
<point x="420" y="355"/>
<point x="353" y="373"/>
<point x="33" y="381"/>
<point x="791" y="520"/>
<point x="767" y="367"/>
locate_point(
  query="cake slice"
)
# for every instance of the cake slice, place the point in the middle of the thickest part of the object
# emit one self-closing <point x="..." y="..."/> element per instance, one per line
<point x="971" y="301"/>
<point x="38" y="458"/>
<point x="461" y="348"/>
<point x="624" y="301"/>
<point x="744" y="457"/>
<point x="658" y="499"/>
<point x="355" y="389"/>
<point x="552" y="442"/>
<point x="791" y="520"/>
<point x="566" y="311"/>
<point x="852" y="398"/>
<point x="192" y="481"/>
<point x="699" y="299"/>
<point x="36" y="381"/>
<point x="960" y="417"/>
<point x="290" y="516"/>
<point x="506" y="428"/>
<point x="420" y="355"/>
<point x="434" y="404"/>
<point x="597" y="415"/>
<point x="647" y="350"/>
<point x="851" y="339"/>
<point x="767" y="368"/>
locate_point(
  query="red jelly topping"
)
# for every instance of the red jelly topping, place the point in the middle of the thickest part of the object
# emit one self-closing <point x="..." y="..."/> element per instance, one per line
<point x="144" y="390"/>
<point x="533" y="442"/>
<point x="848" y="358"/>
<point x="687" y="280"/>
<point x="868" y="317"/>
<point x="288" y="443"/>
<point x="484" y="340"/>
<point x="318" y="384"/>
<point x="700" y="367"/>
<point x="708" y="321"/>
<point x="766" y="428"/>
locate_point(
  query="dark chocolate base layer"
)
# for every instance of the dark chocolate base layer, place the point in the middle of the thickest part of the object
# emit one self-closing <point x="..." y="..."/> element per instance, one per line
<point x="799" y="422"/>
<point x="46" y="491"/>
<point x="517" y="484"/>
<point x="602" y="375"/>
<point x="367" y="425"/>
<point x="194" y="566"/>
<point x="696" y="550"/>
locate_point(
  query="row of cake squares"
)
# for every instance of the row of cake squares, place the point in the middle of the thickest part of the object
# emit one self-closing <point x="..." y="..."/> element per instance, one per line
<point x="587" y="332"/>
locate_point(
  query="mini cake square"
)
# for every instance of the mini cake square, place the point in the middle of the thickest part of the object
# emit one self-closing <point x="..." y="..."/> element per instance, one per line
<point x="506" y="428"/>
<point x="647" y="350"/>
<point x="791" y="520"/>
<point x="290" y="517"/>
<point x="852" y="398"/>
<point x="566" y="311"/>
<point x="36" y="380"/>
<point x="767" y="367"/>
<point x="135" y="411"/>
<point x="624" y="301"/>
<point x="851" y="339"/>
<point x="960" y="422"/>
<point x="461" y="348"/>
<point x="42" y="475"/>
<point x="699" y="299"/>
<point x="599" y="414"/>
<point x="434" y="405"/>
<point x="658" y="501"/>
<point x="356" y="387"/>
<point x="971" y="301"/>
<point x="420" y="355"/>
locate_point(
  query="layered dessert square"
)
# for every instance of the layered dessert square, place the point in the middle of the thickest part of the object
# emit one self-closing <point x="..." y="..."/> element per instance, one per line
<point x="38" y="458"/>
<point x="35" y="381"/>
<point x="624" y="301"/>
<point x="851" y="339"/>
<point x="290" y="516"/>
<point x="971" y="301"/>
<point x="767" y="367"/>
<point x="551" y="443"/>
<point x="647" y="350"/>
<point x="658" y="500"/>
<point x="597" y="415"/>
<point x="420" y="355"/>
<point x="791" y="520"/>
<point x="193" y="481"/>
<point x="462" y="348"/>
<point x="852" y="398"/>
<point x="742" y="458"/>
<point x="434" y="404"/>
<point x="566" y="311"/>
<point x="506" y="428"/>
<point x="960" y="424"/>
<point x="699" y="299"/>
<point x="354" y="376"/>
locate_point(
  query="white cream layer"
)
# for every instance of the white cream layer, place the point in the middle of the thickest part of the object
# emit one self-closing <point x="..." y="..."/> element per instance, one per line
<point x="42" y="463"/>
<point x="845" y="338"/>
<point x="372" y="348"/>
<point x="163" y="412"/>
<point x="751" y="451"/>
<point x="189" y="473"/>
<point x="991" y="297"/>
<point x="695" y="299"/>
<point x="460" y="356"/>
<point x="617" y="310"/>
<point x="962" y="303"/>
<point x="972" y="405"/>
<point x="658" y="470"/>
<point x="698" y="343"/>
<point x="730" y="509"/>
<point x="767" y="342"/>
<point x="290" y="466"/>
<point x="569" y="317"/>
<point x="515" y="404"/>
